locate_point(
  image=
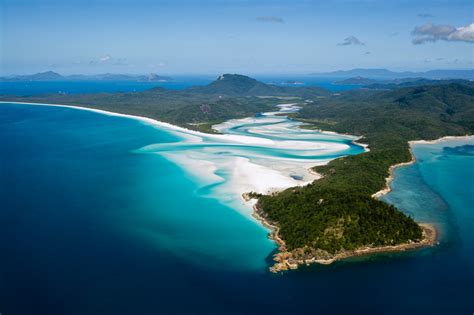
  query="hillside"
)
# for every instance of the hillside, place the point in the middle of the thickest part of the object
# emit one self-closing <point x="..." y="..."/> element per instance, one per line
<point x="239" y="85"/>
<point x="230" y="96"/>
<point x="337" y="212"/>
<point x="235" y="84"/>
<point x="356" y="81"/>
<point x="412" y="82"/>
<point x="42" y="76"/>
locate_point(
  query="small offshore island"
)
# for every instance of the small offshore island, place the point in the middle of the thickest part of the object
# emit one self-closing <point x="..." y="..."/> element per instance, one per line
<point x="338" y="215"/>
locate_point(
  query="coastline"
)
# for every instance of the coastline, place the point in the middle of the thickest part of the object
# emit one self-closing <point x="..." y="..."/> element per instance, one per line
<point x="109" y="113"/>
<point x="354" y="141"/>
<point x="276" y="182"/>
<point x="392" y="168"/>
<point x="284" y="260"/>
<point x="290" y="260"/>
<point x="391" y="175"/>
<point x="247" y="176"/>
<point x="184" y="132"/>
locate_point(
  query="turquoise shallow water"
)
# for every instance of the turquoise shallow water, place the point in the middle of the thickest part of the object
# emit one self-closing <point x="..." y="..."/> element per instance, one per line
<point x="97" y="216"/>
<point x="260" y="154"/>
<point x="439" y="189"/>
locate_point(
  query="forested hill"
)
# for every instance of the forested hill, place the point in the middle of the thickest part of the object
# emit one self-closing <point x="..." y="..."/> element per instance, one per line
<point x="240" y="85"/>
<point x="424" y="112"/>
<point x="413" y="82"/>
<point x="337" y="212"/>
<point x="230" y="96"/>
<point x="234" y="85"/>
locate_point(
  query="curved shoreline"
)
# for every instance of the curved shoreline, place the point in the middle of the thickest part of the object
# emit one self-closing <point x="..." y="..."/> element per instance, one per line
<point x="286" y="260"/>
<point x="392" y="168"/>
<point x="144" y="119"/>
<point x="391" y="171"/>
<point x="176" y="128"/>
<point x="196" y="136"/>
<point x="290" y="260"/>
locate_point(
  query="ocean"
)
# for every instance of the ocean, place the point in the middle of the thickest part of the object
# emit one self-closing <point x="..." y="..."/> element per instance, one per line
<point x="105" y="214"/>
<point x="178" y="83"/>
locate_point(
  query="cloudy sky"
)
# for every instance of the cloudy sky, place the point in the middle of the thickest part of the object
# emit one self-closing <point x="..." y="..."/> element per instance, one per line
<point x="244" y="36"/>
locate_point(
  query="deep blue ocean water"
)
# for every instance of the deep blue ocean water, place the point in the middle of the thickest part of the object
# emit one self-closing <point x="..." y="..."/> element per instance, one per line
<point x="90" y="226"/>
<point x="79" y="87"/>
<point x="178" y="83"/>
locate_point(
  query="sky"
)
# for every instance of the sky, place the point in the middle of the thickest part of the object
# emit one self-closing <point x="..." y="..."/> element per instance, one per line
<point x="237" y="36"/>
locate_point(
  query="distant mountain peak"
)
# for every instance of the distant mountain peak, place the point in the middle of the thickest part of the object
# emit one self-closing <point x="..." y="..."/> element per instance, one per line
<point x="241" y="85"/>
<point x="357" y="80"/>
<point x="233" y="84"/>
<point x="234" y="76"/>
<point x="48" y="73"/>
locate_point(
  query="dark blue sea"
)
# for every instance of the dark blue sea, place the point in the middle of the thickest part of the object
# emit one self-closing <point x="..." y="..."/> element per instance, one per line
<point x="90" y="224"/>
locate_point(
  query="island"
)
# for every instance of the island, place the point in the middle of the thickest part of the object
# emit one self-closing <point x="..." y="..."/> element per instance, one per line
<point x="49" y="76"/>
<point x="356" y="81"/>
<point x="338" y="215"/>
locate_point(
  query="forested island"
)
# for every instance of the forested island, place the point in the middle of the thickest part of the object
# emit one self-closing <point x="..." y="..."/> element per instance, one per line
<point x="338" y="215"/>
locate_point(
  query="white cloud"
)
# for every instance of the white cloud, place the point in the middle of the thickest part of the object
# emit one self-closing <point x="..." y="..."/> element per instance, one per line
<point x="463" y="33"/>
<point x="433" y="32"/>
<point x="109" y="60"/>
<point x="105" y="59"/>
<point x="351" y="40"/>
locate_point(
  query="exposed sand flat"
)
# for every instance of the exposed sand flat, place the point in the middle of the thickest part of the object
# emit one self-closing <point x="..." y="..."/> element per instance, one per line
<point x="266" y="154"/>
<point x="277" y="155"/>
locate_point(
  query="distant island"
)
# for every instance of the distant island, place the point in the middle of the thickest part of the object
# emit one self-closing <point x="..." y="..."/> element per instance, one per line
<point x="54" y="76"/>
<point x="388" y="84"/>
<point x="339" y="215"/>
<point x="292" y="82"/>
<point x="356" y="81"/>
<point x="387" y="74"/>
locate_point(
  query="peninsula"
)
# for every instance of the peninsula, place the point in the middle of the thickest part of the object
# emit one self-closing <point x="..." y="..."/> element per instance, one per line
<point x="338" y="215"/>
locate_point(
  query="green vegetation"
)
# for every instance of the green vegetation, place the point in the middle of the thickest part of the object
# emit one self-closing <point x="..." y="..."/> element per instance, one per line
<point x="336" y="212"/>
<point x="331" y="219"/>
<point x="180" y="108"/>
<point x="239" y="85"/>
<point x="232" y="96"/>
<point x="206" y="127"/>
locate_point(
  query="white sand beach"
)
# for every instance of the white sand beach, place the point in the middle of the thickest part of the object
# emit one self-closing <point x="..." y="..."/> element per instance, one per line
<point x="270" y="154"/>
